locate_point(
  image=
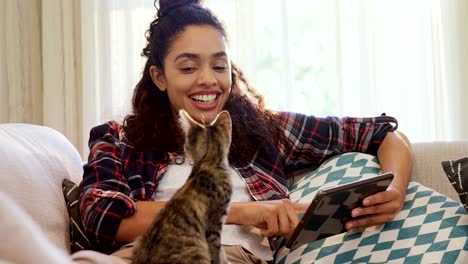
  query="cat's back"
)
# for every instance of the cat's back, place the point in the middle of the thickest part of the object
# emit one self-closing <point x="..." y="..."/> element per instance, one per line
<point x="178" y="233"/>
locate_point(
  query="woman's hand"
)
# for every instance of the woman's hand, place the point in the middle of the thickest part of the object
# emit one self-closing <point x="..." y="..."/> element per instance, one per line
<point x="378" y="209"/>
<point x="395" y="155"/>
<point x="277" y="217"/>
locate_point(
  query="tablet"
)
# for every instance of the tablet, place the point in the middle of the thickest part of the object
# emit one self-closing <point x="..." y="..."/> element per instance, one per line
<point x="331" y="208"/>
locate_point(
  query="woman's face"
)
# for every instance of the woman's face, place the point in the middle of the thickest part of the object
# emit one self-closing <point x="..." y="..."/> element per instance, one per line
<point x="197" y="73"/>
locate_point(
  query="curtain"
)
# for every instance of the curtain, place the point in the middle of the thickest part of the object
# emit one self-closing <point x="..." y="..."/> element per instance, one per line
<point x="358" y="58"/>
<point x="40" y="73"/>
<point x="21" y="63"/>
<point x="113" y="36"/>
<point x="405" y="58"/>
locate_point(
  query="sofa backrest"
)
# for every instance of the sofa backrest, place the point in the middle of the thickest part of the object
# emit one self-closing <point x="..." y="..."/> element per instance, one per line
<point x="33" y="162"/>
<point x="427" y="168"/>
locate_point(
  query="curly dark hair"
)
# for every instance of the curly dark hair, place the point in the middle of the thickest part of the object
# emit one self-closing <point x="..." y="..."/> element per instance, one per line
<point x="151" y="123"/>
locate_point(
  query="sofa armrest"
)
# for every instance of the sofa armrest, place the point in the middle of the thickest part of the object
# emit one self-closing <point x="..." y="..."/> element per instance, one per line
<point x="427" y="168"/>
<point x="34" y="161"/>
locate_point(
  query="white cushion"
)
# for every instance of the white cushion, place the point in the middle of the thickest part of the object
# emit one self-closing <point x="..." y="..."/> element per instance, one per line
<point x="34" y="161"/>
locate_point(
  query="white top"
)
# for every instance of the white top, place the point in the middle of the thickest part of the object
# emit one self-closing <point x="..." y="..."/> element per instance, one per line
<point x="247" y="236"/>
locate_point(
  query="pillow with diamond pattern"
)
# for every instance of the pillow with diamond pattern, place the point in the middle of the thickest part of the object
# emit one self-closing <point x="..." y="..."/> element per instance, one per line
<point x="430" y="228"/>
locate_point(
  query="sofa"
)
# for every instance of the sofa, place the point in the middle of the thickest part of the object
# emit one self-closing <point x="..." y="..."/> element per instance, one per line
<point x="35" y="160"/>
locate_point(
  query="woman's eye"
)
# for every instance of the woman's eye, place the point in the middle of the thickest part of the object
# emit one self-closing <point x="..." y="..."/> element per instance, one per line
<point x="219" y="68"/>
<point x="187" y="69"/>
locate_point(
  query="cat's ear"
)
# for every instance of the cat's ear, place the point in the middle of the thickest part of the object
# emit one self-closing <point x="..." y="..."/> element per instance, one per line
<point x="186" y="121"/>
<point x="222" y="119"/>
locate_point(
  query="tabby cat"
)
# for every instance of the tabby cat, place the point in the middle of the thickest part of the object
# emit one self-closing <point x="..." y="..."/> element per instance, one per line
<point x="188" y="229"/>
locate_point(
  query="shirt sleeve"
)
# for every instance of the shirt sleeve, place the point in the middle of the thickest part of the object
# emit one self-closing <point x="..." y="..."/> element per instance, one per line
<point x="311" y="140"/>
<point x="104" y="192"/>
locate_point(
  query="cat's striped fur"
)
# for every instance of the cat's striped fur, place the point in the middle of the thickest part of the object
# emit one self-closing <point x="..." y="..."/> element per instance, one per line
<point x="188" y="229"/>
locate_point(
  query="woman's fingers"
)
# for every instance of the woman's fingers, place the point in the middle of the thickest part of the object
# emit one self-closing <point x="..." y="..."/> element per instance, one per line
<point x="300" y="207"/>
<point x="389" y="207"/>
<point x="368" y="221"/>
<point x="389" y="201"/>
<point x="378" y="209"/>
<point x="281" y="217"/>
<point x="292" y="218"/>
<point x="271" y="218"/>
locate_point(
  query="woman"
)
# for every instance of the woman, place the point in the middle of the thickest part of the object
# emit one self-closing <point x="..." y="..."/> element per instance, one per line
<point x="132" y="167"/>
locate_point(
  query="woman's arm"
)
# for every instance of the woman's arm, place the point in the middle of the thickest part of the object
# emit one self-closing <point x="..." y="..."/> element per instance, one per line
<point x="138" y="223"/>
<point x="395" y="155"/>
<point x="278" y="217"/>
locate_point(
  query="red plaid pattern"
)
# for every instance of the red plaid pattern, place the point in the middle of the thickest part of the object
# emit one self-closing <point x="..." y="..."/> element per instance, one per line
<point x="116" y="175"/>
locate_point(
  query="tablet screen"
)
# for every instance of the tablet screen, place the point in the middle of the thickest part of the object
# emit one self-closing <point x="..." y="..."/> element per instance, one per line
<point x="331" y="208"/>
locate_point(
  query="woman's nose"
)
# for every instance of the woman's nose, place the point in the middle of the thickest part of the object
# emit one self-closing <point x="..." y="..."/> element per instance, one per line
<point x="206" y="77"/>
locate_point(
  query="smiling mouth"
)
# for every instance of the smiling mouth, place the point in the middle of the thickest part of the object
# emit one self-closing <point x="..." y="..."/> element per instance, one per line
<point x="204" y="99"/>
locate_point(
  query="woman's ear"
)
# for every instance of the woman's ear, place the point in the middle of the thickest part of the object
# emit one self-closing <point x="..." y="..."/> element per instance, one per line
<point x="158" y="78"/>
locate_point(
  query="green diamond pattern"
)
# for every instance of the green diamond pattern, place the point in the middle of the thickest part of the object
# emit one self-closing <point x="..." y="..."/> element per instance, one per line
<point x="407" y="205"/>
<point x="397" y="224"/>
<point x="450" y="204"/>
<point x="313" y="246"/>
<point x="372" y="240"/>
<point x="308" y="191"/>
<point x="417" y="211"/>
<point x="450" y="257"/>
<point x="399" y="253"/>
<point x="307" y="185"/>
<point x="324" y="171"/>
<point x="345" y="159"/>
<point x="335" y="175"/>
<point x="413" y="259"/>
<point x="412" y="190"/>
<point x="422" y="194"/>
<point x="459" y="231"/>
<point x="364" y="259"/>
<point x="432" y="217"/>
<point x="370" y="170"/>
<point x="425" y="239"/>
<point x="359" y="163"/>
<point x="461" y="211"/>
<point x="352" y="236"/>
<point x="437" y="199"/>
<point x="449" y="222"/>
<point x="439" y="246"/>
<point x="328" y="250"/>
<point x="345" y="256"/>
<point x="383" y="246"/>
<point x="408" y="232"/>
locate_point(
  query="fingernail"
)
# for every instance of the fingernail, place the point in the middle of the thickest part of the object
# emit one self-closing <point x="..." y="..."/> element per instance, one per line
<point x="366" y="202"/>
<point x="349" y="226"/>
<point x="355" y="213"/>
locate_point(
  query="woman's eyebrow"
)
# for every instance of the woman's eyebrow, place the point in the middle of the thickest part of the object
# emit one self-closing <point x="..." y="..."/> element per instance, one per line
<point x="197" y="56"/>
<point x="220" y="54"/>
<point x="187" y="55"/>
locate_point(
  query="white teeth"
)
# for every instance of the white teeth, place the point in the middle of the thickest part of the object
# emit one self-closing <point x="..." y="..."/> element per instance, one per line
<point x="204" y="98"/>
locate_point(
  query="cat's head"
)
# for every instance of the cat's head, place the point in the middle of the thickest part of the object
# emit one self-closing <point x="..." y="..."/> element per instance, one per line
<point x="208" y="142"/>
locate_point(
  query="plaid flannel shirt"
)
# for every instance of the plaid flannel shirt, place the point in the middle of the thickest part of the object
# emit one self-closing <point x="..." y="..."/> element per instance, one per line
<point x="116" y="176"/>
